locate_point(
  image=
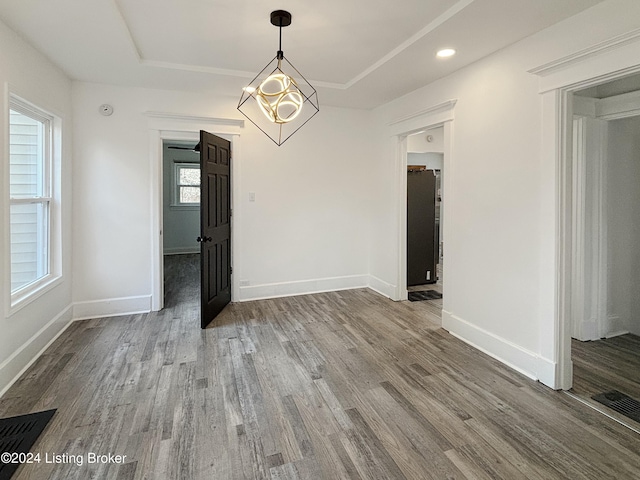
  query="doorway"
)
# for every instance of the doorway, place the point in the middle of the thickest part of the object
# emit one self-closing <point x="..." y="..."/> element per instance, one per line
<point x="605" y="310"/>
<point x="438" y="117"/>
<point x="197" y="217"/>
<point x="425" y="159"/>
<point x="181" y="220"/>
<point x="615" y="58"/>
<point x="167" y="126"/>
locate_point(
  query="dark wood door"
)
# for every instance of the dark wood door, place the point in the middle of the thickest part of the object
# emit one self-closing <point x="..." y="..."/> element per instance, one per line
<point x="215" y="225"/>
<point x="422" y="244"/>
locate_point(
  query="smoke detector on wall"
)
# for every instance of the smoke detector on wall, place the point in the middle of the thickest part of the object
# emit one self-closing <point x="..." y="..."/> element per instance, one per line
<point x="105" y="109"/>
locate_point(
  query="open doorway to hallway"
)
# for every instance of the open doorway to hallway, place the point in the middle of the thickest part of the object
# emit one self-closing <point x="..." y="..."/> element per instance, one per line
<point x="606" y="260"/>
<point x="181" y="220"/>
<point x="425" y="166"/>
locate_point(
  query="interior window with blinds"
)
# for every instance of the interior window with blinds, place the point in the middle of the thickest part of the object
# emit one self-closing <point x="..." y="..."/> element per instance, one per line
<point x="30" y="195"/>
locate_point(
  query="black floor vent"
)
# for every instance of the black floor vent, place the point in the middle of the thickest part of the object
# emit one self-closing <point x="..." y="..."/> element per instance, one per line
<point x="621" y="403"/>
<point x="18" y="434"/>
<point x="424" y="295"/>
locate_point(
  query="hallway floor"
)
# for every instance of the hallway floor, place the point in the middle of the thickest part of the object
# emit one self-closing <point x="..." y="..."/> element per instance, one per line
<point x="604" y="365"/>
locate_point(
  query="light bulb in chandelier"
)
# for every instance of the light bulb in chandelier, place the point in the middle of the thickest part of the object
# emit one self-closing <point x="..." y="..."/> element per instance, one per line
<point x="279" y="98"/>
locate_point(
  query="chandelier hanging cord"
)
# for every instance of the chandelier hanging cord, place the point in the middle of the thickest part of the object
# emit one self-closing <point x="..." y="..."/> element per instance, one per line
<point x="280" y="52"/>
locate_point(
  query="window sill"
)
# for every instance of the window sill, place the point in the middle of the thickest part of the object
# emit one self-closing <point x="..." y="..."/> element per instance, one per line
<point x="29" y="294"/>
<point x="193" y="206"/>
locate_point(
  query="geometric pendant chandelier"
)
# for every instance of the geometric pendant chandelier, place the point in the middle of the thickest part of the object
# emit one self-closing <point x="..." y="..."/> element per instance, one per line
<point x="279" y="100"/>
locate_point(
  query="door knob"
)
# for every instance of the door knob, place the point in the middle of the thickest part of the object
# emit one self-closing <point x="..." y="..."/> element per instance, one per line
<point x="203" y="239"/>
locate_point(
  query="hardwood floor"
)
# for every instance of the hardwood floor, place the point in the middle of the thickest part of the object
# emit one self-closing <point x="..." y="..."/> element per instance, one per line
<point x="328" y="386"/>
<point x="604" y="365"/>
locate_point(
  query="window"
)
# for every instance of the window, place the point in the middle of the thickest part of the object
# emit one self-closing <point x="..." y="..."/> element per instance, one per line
<point x="187" y="176"/>
<point x="30" y="198"/>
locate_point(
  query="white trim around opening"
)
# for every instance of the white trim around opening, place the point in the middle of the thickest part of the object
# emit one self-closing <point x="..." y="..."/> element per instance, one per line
<point x="609" y="61"/>
<point x="441" y="115"/>
<point x="169" y="126"/>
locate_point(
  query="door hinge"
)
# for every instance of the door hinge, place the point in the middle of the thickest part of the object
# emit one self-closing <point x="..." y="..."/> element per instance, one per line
<point x="231" y="270"/>
<point x="231" y="212"/>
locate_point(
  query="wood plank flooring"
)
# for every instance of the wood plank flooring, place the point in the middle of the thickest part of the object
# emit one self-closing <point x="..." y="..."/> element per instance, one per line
<point x="608" y="364"/>
<point x="342" y="385"/>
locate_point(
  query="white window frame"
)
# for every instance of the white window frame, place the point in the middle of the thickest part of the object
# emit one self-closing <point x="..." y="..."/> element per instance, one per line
<point x="52" y="154"/>
<point x="177" y="165"/>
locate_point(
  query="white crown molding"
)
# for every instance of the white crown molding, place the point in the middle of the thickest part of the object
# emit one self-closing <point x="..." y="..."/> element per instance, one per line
<point x="232" y="122"/>
<point x="432" y="116"/>
<point x="176" y="126"/>
<point x="577" y="57"/>
<point x="440" y="107"/>
<point x="127" y="31"/>
<point x="430" y="27"/>
<point x="184" y="67"/>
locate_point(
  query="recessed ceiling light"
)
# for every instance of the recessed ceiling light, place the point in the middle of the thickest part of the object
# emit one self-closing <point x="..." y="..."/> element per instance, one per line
<point x="446" y="52"/>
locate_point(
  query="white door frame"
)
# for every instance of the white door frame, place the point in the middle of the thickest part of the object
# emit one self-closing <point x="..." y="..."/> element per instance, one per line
<point x="589" y="252"/>
<point x="591" y="320"/>
<point x="440" y="115"/>
<point x="169" y="126"/>
<point x="616" y="58"/>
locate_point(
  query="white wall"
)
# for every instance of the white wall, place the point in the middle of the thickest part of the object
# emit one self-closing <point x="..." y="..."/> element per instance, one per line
<point x="429" y="141"/>
<point x="433" y="161"/>
<point x="30" y="75"/>
<point x="308" y="228"/>
<point x="623" y="223"/>
<point x="326" y="203"/>
<point x="493" y="234"/>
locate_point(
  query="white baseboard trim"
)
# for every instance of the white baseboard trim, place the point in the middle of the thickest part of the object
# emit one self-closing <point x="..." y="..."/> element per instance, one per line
<point x="587" y="330"/>
<point x="181" y="250"/>
<point x="548" y="373"/>
<point x="616" y="333"/>
<point x="20" y="360"/>
<point x="111" y="307"/>
<point x="382" y="287"/>
<point x="303" y="287"/>
<point x="512" y="355"/>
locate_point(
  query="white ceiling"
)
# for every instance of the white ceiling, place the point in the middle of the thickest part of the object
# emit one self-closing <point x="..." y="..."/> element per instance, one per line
<point x="357" y="53"/>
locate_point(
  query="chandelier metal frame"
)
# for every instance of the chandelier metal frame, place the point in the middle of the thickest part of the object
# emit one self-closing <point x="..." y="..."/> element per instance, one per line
<point x="277" y="102"/>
